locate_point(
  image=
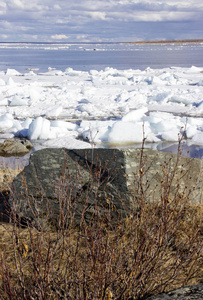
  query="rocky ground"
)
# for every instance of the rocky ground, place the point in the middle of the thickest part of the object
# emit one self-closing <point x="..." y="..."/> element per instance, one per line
<point x="194" y="292"/>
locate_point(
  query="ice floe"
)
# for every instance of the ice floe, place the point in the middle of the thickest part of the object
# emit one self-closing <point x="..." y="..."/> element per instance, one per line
<point x="102" y="108"/>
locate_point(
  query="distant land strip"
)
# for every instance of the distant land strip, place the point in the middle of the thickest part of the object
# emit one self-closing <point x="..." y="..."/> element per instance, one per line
<point x="168" y="41"/>
<point x="100" y="43"/>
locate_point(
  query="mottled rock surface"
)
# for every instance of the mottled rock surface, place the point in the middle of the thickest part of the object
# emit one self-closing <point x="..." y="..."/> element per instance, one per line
<point x="85" y="177"/>
<point x="194" y="292"/>
<point x="158" y="167"/>
<point x="105" y="177"/>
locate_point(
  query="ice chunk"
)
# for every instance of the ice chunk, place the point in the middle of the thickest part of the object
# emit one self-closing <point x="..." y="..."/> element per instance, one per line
<point x="127" y="132"/>
<point x="63" y="124"/>
<point x="57" y="132"/>
<point x="6" y="122"/>
<point x="7" y="135"/>
<point x="191" y="131"/>
<point x="94" y="72"/>
<point x="198" y="122"/>
<point x="135" y="115"/>
<point x="26" y="123"/>
<point x="45" y="130"/>
<point x="54" y="112"/>
<point x="16" y="125"/>
<point x="10" y="82"/>
<point x="2" y="82"/>
<point x="35" y="128"/>
<point x="200" y="106"/>
<point x="30" y="73"/>
<point x="163" y="126"/>
<point x="23" y="132"/>
<point x="34" y="94"/>
<point x="161" y="97"/>
<point x="18" y="101"/>
<point x="13" y="72"/>
<point x="197" y="139"/>
<point x="154" y="80"/>
<point x="171" y="135"/>
<point x="94" y="135"/>
<point x="95" y="131"/>
<point x="71" y="72"/>
<point x="152" y="118"/>
<point x="193" y="69"/>
<point x="200" y="83"/>
<point x="3" y="101"/>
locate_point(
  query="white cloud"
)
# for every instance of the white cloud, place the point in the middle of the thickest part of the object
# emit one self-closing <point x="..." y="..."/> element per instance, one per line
<point x="4" y="36"/>
<point x="3" y="8"/>
<point x="16" y="3"/>
<point x="2" y="5"/>
<point x="96" y="15"/>
<point x="144" y="16"/>
<point x="56" y="6"/>
<point x="59" y="36"/>
<point x="98" y="20"/>
<point x="5" y="25"/>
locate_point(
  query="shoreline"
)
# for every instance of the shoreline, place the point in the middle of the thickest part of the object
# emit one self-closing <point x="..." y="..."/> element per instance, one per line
<point x="193" y="41"/>
<point x="121" y="42"/>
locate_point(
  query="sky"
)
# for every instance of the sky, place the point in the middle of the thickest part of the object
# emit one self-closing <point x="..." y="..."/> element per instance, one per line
<point x="100" y="20"/>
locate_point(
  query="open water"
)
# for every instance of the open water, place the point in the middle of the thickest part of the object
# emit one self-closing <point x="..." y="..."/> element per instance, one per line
<point x="84" y="57"/>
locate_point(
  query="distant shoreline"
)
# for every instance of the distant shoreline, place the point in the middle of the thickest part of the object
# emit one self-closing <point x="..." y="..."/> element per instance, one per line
<point x="100" y="43"/>
<point x="168" y="42"/>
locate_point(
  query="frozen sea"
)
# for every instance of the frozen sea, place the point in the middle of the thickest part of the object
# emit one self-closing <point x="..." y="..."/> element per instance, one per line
<point x="103" y="95"/>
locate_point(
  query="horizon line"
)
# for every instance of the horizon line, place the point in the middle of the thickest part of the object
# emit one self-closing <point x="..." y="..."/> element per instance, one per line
<point x="121" y="42"/>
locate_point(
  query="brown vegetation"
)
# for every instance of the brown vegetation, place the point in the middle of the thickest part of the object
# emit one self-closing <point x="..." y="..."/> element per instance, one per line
<point x="7" y="175"/>
<point x="157" y="248"/>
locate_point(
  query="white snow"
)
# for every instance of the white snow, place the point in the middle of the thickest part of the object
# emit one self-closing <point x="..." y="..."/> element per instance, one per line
<point x="18" y="101"/>
<point x="6" y="122"/>
<point x="102" y="108"/>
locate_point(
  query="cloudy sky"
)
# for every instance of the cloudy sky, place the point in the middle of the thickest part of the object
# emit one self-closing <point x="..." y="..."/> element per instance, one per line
<point x="100" y="20"/>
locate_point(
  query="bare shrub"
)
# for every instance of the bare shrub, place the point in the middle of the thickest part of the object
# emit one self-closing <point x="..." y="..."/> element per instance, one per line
<point x="155" y="249"/>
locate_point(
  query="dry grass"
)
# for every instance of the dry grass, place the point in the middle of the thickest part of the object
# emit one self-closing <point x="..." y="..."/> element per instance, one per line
<point x="132" y="261"/>
<point x="7" y="175"/>
<point x="157" y="248"/>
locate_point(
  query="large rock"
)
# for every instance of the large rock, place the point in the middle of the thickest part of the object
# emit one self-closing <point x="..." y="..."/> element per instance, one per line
<point x="107" y="178"/>
<point x="85" y="178"/>
<point x="158" y="169"/>
<point x="194" y="292"/>
<point x="11" y="147"/>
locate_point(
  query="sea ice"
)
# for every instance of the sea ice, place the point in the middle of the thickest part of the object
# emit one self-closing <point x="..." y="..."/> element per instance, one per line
<point x="135" y="115"/>
<point x="6" y="122"/>
<point x="18" y="101"/>
<point x="2" y="82"/>
<point x="128" y="132"/>
<point x="11" y="72"/>
<point x="191" y="131"/>
<point x="197" y="139"/>
<point x="102" y="107"/>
